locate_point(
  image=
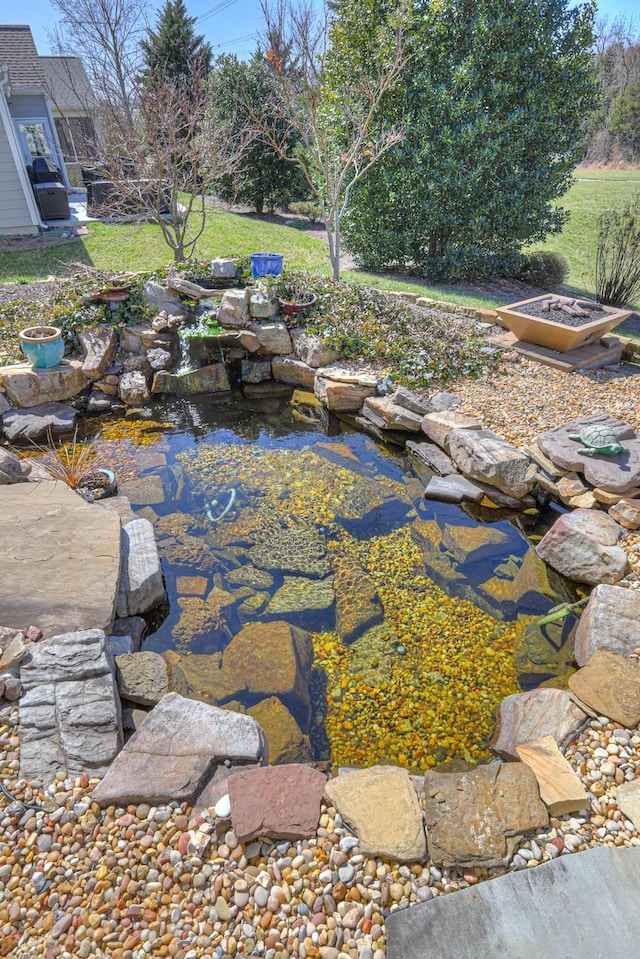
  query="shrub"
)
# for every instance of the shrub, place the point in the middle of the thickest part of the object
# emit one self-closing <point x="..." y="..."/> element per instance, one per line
<point x="544" y="269"/>
<point x="618" y="255"/>
<point x="307" y="208"/>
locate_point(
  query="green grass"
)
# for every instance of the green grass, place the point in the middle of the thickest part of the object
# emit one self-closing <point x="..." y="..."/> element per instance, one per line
<point x="594" y="192"/>
<point x="138" y="247"/>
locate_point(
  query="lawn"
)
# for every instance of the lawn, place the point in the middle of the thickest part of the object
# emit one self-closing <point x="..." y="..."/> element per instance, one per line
<point x="117" y="247"/>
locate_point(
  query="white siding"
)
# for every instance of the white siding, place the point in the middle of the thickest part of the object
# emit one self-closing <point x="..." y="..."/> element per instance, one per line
<point x="15" y="217"/>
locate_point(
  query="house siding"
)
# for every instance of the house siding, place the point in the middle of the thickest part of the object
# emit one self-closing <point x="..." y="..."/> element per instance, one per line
<point x="28" y="106"/>
<point x="16" y="217"/>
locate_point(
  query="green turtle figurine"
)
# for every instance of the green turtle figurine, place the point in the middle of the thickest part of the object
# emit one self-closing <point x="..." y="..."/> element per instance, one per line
<point x="598" y="441"/>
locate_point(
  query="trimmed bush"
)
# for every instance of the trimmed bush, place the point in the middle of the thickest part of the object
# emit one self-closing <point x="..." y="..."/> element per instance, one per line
<point x="544" y="269"/>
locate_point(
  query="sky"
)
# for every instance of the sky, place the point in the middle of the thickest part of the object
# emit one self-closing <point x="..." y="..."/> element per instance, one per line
<point x="229" y="25"/>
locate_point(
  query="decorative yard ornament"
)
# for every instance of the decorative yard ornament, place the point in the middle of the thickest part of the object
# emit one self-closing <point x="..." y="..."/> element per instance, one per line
<point x="599" y="441"/>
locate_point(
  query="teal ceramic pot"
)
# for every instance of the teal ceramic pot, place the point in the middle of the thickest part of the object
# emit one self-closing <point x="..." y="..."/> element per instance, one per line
<point x="43" y="346"/>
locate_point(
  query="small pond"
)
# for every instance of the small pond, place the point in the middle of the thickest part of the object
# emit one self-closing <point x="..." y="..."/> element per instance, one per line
<point x="422" y="616"/>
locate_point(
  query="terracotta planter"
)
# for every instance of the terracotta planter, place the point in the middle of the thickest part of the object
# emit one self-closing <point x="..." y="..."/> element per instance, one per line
<point x="292" y="309"/>
<point x="556" y="335"/>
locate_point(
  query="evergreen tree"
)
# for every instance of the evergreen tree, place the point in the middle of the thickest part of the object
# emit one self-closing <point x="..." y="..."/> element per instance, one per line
<point x="494" y="94"/>
<point x="173" y="52"/>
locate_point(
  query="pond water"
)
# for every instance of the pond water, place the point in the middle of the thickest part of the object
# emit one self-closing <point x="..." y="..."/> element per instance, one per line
<point x="422" y="617"/>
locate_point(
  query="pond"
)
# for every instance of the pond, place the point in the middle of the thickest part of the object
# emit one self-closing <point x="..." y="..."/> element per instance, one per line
<point x="422" y="617"/>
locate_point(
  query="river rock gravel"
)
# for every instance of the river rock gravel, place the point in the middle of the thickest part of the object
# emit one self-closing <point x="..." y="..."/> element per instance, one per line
<point x="77" y="881"/>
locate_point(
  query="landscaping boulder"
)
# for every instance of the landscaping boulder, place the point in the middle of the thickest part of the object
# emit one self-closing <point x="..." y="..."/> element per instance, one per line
<point x="207" y="379"/>
<point x="285" y="369"/>
<point x="26" y="386"/>
<point x="133" y="389"/>
<point x="583" y="546"/>
<point x="70" y="718"/>
<point x="141" y="582"/>
<point x="142" y="677"/>
<point x="384" y="413"/>
<point x="100" y="344"/>
<point x="312" y="350"/>
<point x="525" y="717"/>
<point x="273" y="338"/>
<point x="162" y="298"/>
<point x="277" y="802"/>
<point x="611" y="621"/>
<point x="627" y="513"/>
<point x="36" y="424"/>
<point x="287" y="743"/>
<point x="234" y="309"/>
<point x="616" y="474"/>
<point x="12" y="469"/>
<point x="609" y="685"/>
<point x="483" y="455"/>
<point x="427" y="459"/>
<point x="438" y="426"/>
<point x="477" y="819"/>
<point x="342" y="391"/>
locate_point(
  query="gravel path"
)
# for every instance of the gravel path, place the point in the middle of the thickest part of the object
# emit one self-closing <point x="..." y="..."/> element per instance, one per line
<point x="77" y="881"/>
<point x="527" y="398"/>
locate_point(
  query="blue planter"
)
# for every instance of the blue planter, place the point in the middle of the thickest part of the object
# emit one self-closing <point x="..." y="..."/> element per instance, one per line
<point x="266" y="264"/>
<point x="43" y="346"/>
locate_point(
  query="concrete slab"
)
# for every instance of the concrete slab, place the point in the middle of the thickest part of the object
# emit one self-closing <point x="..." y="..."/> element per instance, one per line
<point x="60" y="562"/>
<point x="562" y="909"/>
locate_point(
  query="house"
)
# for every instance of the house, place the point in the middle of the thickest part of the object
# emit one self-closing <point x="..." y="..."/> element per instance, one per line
<point x="45" y="110"/>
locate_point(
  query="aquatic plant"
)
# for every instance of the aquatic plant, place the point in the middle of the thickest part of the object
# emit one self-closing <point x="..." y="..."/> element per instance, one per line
<point x="71" y="462"/>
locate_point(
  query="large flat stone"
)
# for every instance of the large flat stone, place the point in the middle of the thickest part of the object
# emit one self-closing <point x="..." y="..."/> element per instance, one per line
<point x="628" y="800"/>
<point x="453" y="488"/>
<point x="35" y="424"/>
<point x="427" y="459"/>
<point x="560" y="789"/>
<point x="207" y="379"/>
<point x="175" y="751"/>
<point x="563" y="909"/>
<point x="438" y="426"/>
<point x="525" y="717"/>
<point x="70" y="719"/>
<point x="477" y="818"/>
<point x="141" y="583"/>
<point x="583" y="546"/>
<point x="616" y="474"/>
<point x="610" y="620"/>
<point x="61" y="559"/>
<point x="381" y="806"/>
<point x="609" y="685"/>
<point x="285" y="369"/>
<point x="483" y="455"/>
<point x="287" y="743"/>
<point x="26" y="386"/>
<point x="387" y="415"/>
<point x="279" y="802"/>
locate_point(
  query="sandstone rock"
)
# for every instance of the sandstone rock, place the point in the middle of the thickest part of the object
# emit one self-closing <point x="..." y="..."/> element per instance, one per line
<point x="534" y="452"/>
<point x="142" y="677"/>
<point x="312" y="350"/>
<point x="287" y="743"/>
<point x="100" y="344"/>
<point x="36" y="423"/>
<point x="223" y="268"/>
<point x="287" y="370"/>
<point x="611" y="621"/>
<point x="278" y="802"/>
<point x="207" y="379"/>
<point x="255" y="371"/>
<point x="582" y="546"/>
<point x="70" y="718"/>
<point x="439" y="426"/>
<point x="121" y="506"/>
<point x="234" y="309"/>
<point x="272" y="659"/>
<point x="381" y="806"/>
<point x="302" y="551"/>
<point x="192" y="585"/>
<point x="26" y="386"/>
<point x="146" y="491"/>
<point x="569" y="486"/>
<point x="609" y="685"/>
<point x="99" y="402"/>
<point x="427" y="459"/>
<point x="133" y="626"/>
<point x="358" y="605"/>
<point x="131" y="342"/>
<point x="12" y="469"/>
<point x="443" y="400"/>
<point x="483" y="455"/>
<point x="342" y="391"/>
<point x="616" y="474"/>
<point x="610" y="499"/>
<point x="14" y="653"/>
<point x="387" y="415"/>
<point x="628" y="800"/>
<point x="453" y="488"/>
<point x="560" y="789"/>
<point x="273" y="338"/>
<point x="159" y="359"/>
<point x="477" y="819"/>
<point x="401" y="396"/>
<point x="215" y="795"/>
<point x="78" y="589"/>
<point x="141" y="583"/>
<point x="206" y="679"/>
<point x="627" y="513"/>
<point x="163" y="299"/>
<point x="525" y="717"/>
<point x="175" y="751"/>
<point x="133" y="389"/>
<point x="297" y="595"/>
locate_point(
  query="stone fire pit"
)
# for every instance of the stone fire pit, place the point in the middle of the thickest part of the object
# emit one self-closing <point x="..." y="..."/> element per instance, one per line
<point x="556" y="329"/>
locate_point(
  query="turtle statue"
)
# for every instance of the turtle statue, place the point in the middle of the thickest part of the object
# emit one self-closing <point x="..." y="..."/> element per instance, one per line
<point x="598" y="440"/>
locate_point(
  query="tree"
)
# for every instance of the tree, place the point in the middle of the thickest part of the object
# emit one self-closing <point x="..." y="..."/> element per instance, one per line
<point x="105" y="34"/>
<point x="494" y="93"/>
<point x="616" y="64"/>
<point x="264" y="177"/>
<point x="173" y="51"/>
<point x="329" y="110"/>
<point x="625" y="120"/>
<point x="170" y="166"/>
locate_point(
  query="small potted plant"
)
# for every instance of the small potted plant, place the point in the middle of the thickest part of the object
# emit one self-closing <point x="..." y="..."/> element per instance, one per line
<point x="293" y="296"/>
<point x="43" y="346"/>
